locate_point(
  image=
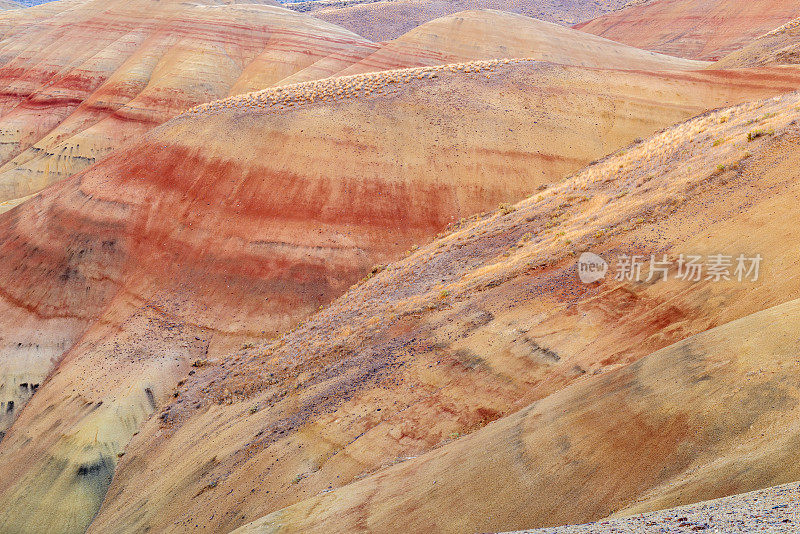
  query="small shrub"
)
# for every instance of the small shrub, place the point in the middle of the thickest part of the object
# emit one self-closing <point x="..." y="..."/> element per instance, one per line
<point x="755" y="134"/>
<point x="505" y="209"/>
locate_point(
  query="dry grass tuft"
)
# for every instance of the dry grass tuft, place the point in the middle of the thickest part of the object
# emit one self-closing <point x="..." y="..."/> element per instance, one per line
<point x="343" y="88"/>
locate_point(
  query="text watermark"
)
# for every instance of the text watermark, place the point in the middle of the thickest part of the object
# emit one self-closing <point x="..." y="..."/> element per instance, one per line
<point x="685" y="267"/>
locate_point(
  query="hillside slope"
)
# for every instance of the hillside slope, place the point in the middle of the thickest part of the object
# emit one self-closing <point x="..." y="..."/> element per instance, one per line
<point x="69" y="101"/>
<point x="705" y="29"/>
<point x="389" y="19"/>
<point x="468" y="330"/>
<point x="654" y="434"/>
<point x="81" y="78"/>
<point x="488" y="34"/>
<point x="768" y="510"/>
<point x="781" y="46"/>
<point x="492" y="320"/>
<point x="226" y="225"/>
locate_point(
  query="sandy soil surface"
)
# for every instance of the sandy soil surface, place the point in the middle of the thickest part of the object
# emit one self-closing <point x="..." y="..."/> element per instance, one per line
<point x="770" y="510"/>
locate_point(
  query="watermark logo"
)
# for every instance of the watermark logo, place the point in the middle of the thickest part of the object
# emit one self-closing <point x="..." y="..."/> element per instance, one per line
<point x="686" y="267"/>
<point x="591" y="268"/>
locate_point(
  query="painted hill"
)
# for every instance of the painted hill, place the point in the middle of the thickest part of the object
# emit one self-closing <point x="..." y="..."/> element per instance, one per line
<point x="509" y="394"/>
<point x="383" y="20"/>
<point x="301" y="225"/>
<point x="778" y="47"/>
<point x="137" y="275"/>
<point x="489" y="34"/>
<point x="9" y="4"/>
<point x="706" y="29"/>
<point x="81" y="78"/>
<point x="103" y="92"/>
<point x="645" y="437"/>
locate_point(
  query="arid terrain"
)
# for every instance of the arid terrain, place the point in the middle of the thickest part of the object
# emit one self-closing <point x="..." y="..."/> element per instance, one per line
<point x="705" y="29"/>
<point x="261" y="272"/>
<point x="382" y="20"/>
<point x="81" y="78"/>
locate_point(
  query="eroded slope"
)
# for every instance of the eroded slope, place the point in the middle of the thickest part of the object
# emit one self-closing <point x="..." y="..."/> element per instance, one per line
<point x="81" y="78"/>
<point x="475" y="327"/>
<point x="705" y="29"/>
<point x="781" y="46"/>
<point x="388" y="19"/>
<point x="489" y="34"/>
<point x="226" y="225"/>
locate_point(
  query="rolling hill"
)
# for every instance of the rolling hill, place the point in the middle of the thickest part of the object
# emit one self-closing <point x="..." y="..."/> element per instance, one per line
<point x="302" y="225"/>
<point x="384" y="20"/>
<point x="781" y="46"/>
<point x="645" y="437"/>
<point x="706" y="29"/>
<point x="65" y="108"/>
<point x="191" y="188"/>
<point x="489" y="34"/>
<point x="136" y="276"/>
<point x="81" y="78"/>
<point x="478" y="384"/>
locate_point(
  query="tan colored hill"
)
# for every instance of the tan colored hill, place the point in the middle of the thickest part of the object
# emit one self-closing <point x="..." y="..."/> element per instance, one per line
<point x="9" y="4"/>
<point x="489" y="34"/>
<point x="708" y="416"/>
<point x="778" y="47"/>
<point x="383" y="20"/>
<point x="302" y="224"/>
<point x="141" y="69"/>
<point x="410" y="342"/>
<point x="229" y="223"/>
<point x="81" y="78"/>
<point x="510" y="394"/>
<point x="705" y="29"/>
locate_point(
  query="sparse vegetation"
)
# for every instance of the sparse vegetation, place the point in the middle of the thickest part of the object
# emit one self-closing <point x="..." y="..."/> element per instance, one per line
<point x="345" y="87"/>
<point x="505" y="208"/>
<point x="755" y="134"/>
